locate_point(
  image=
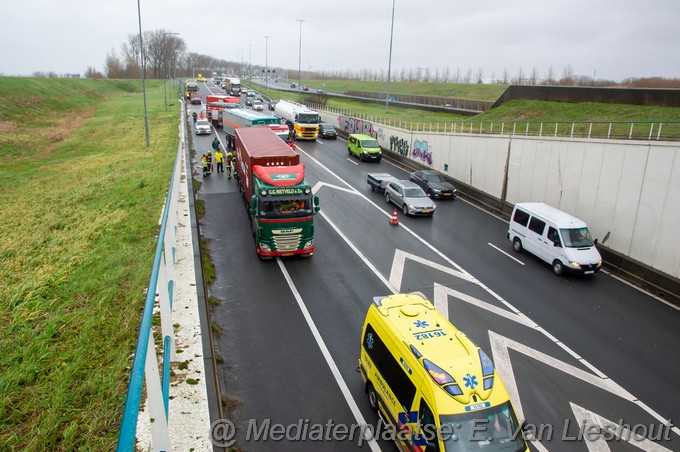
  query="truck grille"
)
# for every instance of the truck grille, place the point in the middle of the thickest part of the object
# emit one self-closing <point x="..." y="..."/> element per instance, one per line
<point x="287" y="242"/>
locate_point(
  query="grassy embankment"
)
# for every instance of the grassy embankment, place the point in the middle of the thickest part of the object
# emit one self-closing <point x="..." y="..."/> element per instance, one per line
<point x="523" y="111"/>
<point x="80" y="197"/>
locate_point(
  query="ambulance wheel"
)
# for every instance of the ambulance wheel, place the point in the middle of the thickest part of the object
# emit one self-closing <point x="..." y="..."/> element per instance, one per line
<point x="517" y="245"/>
<point x="557" y="267"/>
<point x="372" y="398"/>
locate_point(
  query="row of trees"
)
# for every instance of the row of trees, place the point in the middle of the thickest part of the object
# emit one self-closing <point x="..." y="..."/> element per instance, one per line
<point x="166" y="55"/>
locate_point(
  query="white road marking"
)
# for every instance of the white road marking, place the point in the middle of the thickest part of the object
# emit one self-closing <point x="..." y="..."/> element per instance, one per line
<point x="399" y="262"/>
<point x="511" y="257"/>
<point x="593" y="422"/>
<point x="352" y="161"/>
<point x="327" y="356"/>
<point x="599" y="379"/>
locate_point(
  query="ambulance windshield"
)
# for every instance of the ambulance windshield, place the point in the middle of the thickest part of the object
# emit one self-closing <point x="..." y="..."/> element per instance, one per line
<point x="490" y="429"/>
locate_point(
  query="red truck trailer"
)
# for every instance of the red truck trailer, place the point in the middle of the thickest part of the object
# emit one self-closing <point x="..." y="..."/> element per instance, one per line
<point x="280" y="201"/>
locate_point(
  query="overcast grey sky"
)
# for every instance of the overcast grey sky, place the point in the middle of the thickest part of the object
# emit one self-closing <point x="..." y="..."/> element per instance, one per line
<point x="602" y="38"/>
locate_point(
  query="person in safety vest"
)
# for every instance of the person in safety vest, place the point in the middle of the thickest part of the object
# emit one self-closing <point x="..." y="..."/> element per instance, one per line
<point x="204" y="163"/>
<point x="219" y="158"/>
<point x="230" y="163"/>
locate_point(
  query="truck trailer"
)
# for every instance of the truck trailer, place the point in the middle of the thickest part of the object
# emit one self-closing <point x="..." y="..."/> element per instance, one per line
<point x="279" y="199"/>
<point x="235" y="118"/>
<point x="305" y="121"/>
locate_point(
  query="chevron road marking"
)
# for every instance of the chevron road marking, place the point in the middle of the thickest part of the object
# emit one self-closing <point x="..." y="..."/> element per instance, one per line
<point x="499" y="344"/>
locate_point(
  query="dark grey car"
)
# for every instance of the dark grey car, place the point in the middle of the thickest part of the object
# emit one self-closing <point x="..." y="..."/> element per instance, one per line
<point x="327" y="131"/>
<point x="409" y="197"/>
<point x="434" y="184"/>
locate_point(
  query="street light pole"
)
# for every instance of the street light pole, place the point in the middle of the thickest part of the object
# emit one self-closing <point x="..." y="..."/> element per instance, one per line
<point x="141" y="49"/>
<point x="250" y="62"/>
<point x="389" y="64"/>
<point x="300" y="57"/>
<point x="266" y="59"/>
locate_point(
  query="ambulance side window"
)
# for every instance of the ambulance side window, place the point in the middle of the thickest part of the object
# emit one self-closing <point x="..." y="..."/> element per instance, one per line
<point x="388" y="366"/>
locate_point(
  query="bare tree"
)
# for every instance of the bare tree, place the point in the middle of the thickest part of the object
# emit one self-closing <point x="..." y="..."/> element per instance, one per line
<point x="533" y="78"/>
<point x="550" y="76"/>
<point x="479" y="76"/>
<point x="567" y="76"/>
<point x="457" y="76"/>
<point x="113" y="67"/>
<point x="468" y="75"/>
<point x="506" y="77"/>
<point x="91" y="72"/>
<point x="446" y="76"/>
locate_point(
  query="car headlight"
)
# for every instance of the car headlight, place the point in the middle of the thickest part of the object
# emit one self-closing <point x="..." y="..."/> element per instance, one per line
<point x="309" y="244"/>
<point x="575" y="265"/>
<point x="264" y="247"/>
<point x="436" y="190"/>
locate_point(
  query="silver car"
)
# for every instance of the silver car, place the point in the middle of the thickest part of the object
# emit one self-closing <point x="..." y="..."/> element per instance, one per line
<point x="409" y="197"/>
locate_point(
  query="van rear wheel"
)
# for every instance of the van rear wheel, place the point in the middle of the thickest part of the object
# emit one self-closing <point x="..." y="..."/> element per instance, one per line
<point x="372" y="398"/>
<point x="517" y="245"/>
<point x="557" y="267"/>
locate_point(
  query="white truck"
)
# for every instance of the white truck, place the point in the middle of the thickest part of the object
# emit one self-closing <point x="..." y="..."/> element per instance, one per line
<point x="233" y="86"/>
<point x="305" y="122"/>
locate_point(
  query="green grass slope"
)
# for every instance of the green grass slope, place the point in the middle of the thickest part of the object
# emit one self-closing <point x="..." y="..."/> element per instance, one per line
<point x="81" y="197"/>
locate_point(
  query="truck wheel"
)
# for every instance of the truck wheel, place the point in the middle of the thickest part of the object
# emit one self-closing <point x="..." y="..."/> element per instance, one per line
<point x="557" y="267"/>
<point x="404" y="209"/>
<point x="349" y="151"/>
<point x="387" y="198"/>
<point x="517" y="245"/>
<point x="372" y="397"/>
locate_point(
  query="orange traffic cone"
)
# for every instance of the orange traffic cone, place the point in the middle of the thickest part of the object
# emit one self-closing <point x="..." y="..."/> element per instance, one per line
<point x="394" y="220"/>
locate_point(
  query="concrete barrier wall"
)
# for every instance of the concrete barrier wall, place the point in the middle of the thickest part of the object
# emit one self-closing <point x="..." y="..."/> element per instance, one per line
<point x="628" y="192"/>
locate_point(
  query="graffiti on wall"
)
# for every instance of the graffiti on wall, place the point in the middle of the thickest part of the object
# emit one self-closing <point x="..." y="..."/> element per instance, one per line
<point x="354" y="125"/>
<point x="399" y="145"/>
<point x="421" y="151"/>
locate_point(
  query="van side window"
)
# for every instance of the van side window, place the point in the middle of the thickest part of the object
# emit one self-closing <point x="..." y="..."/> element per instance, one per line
<point x="521" y="217"/>
<point x="536" y="225"/>
<point x="389" y="367"/>
<point x="553" y="235"/>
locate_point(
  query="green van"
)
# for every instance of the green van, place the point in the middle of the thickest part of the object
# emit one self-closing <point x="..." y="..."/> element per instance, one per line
<point x="364" y="147"/>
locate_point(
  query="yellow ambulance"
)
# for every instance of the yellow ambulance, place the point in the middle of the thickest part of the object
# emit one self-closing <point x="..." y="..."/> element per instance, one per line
<point x="430" y="382"/>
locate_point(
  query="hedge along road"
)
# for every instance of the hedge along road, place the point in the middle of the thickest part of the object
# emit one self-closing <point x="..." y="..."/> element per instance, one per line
<point x="598" y="340"/>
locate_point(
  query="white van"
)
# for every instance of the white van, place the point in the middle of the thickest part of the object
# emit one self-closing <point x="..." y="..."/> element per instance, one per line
<point x="554" y="236"/>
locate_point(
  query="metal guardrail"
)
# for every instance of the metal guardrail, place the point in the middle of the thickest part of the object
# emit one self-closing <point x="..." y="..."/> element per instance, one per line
<point x="643" y="130"/>
<point x="145" y="363"/>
